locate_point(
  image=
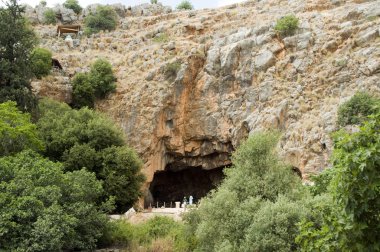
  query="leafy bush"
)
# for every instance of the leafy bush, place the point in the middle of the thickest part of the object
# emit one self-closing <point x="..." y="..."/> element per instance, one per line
<point x="83" y="91"/>
<point x="287" y="25"/>
<point x="49" y="17"/>
<point x="43" y="3"/>
<point x="96" y="84"/>
<point x="102" y="78"/>
<point x="154" y="1"/>
<point x="41" y="62"/>
<point x="16" y="131"/>
<point x="256" y="207"/>
<point x="74" y="5"/>
<point x="171" y="70"/>
<point x="158" y="231"/>
<point x="84" y="138"/>
<point x="105" y="18"/>
<point x="185" y="5"/>
<point x="351" y="221"/>
<point x="44" y="209"/>
<point x="357" y="109"/>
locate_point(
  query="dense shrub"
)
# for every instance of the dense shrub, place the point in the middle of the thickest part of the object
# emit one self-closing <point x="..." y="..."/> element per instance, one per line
<point x="16" y="131"/>
<point x="154" y="1"/>
<point x="74" y="5"/>
<point x="166" y="232"/>
<point x="44" y="209"/>
<point x="50" y="17"/>
<point x="41" y="62"/>
<point x="96" y="84"/>
<point x="83" y="91"/>
<point x="257" y="206"/>
<point x="84" y="138"/>
<point x="287" y="25"/>
<point x="185" y="5"/>
<point x="350" y="222"/>
<point x="357" y="109"/>
<point x="105" y="18"/>
<point x="102" y="78"/>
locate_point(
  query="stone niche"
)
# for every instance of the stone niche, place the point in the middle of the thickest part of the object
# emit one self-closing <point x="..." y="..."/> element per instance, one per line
<point x="174" y="184"/>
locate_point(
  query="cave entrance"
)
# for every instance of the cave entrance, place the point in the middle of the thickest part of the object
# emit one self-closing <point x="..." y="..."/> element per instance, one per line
<point x="171" y="186"/>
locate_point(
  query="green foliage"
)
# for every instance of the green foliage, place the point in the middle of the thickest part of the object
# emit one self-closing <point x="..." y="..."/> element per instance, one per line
<point x="171" y="70"/>
<point x="83" y="91"/>
<point x="154" y="1"/>
<point x="105" y="18"/>
<point x="185" y="5"/>
<point x="50" y="17"/>
<point x="74" y="5"/>
<point x="44" y="209"/>
<point x="102" y="78"/>
<point x="353" y="223"/>
<point x="357" y="109"/>
<point x="126" y="235"/>
<point x="43" y="3"/>
<point x="162" y="38"/>
<point x="96" y="84"/>
<point x="16" y="131"/>
<point x="84" y="138"/>
<point x="287" y="25"/>
<point x="256" y="207"/>
<point x="15" y="71"/>
<point x="41" y="62"/>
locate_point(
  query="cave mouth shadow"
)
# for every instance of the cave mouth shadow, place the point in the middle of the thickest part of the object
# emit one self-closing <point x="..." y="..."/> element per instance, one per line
<point x="170" y="186"/>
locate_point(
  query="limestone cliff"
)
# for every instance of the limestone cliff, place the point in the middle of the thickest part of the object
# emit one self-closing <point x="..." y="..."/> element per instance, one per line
<point x="235" y="77"/>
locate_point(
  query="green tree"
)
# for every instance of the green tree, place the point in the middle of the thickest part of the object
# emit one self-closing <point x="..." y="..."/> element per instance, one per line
<point x="256" y="207"/>
<point x="41" y="62"/>
<point x="353" y="223"/>
<point x="185" y="5"/>
<point x="357" y="109"/>
<point x="84" y="138"/>
<point x="44" y="209"/>
<point x="83" y="91"/>
<point x="105" y="18"/>
<point x="74" y="5"/>
<point x="17" y="40"/>
<point x="102" y="78"/>
<point x="16" y="131"/>
<point x="287" y="25"/>
<point x="99" y="82"/>
<point x="50" y="17"/>
<point x="120" y="170"/>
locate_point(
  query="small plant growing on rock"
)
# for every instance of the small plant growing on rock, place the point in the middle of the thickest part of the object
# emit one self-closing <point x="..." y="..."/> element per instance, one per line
<point x="185" y="5"/>
<point x="287" y="25"/>
<point x="161" y="38"/>
<point x="171" y="70"/>
<point x="41" y="62"/>
<point x="50" y="17"/>
<point x="154" y="1"/>
<point x="74" y="5"/>
<point x="357" y="109"/>
<point x="105" y="18"/>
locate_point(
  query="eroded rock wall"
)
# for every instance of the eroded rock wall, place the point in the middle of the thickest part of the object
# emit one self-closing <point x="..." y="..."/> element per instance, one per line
<point x="236" y="77"/>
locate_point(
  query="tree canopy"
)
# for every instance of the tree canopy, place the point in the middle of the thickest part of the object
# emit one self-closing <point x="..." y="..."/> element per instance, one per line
<point x="16" y="131"/>
<point x="44" y="209"/>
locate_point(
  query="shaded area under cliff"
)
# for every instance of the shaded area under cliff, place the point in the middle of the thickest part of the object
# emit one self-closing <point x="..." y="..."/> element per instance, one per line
<point x="170" y="186"/>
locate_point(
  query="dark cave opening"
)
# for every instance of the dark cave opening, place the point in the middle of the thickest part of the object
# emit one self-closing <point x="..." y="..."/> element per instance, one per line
<point x="171" y="186"/>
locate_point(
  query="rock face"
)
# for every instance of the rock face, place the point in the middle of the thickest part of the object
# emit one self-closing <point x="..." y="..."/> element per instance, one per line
<point x="235" y="77"/>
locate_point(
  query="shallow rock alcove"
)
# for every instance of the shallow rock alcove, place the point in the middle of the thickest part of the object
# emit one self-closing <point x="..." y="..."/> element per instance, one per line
<point x="169" y="186"/>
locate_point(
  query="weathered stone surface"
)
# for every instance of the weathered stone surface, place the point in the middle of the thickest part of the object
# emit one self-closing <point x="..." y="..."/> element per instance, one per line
<point x="234" y="77"/>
